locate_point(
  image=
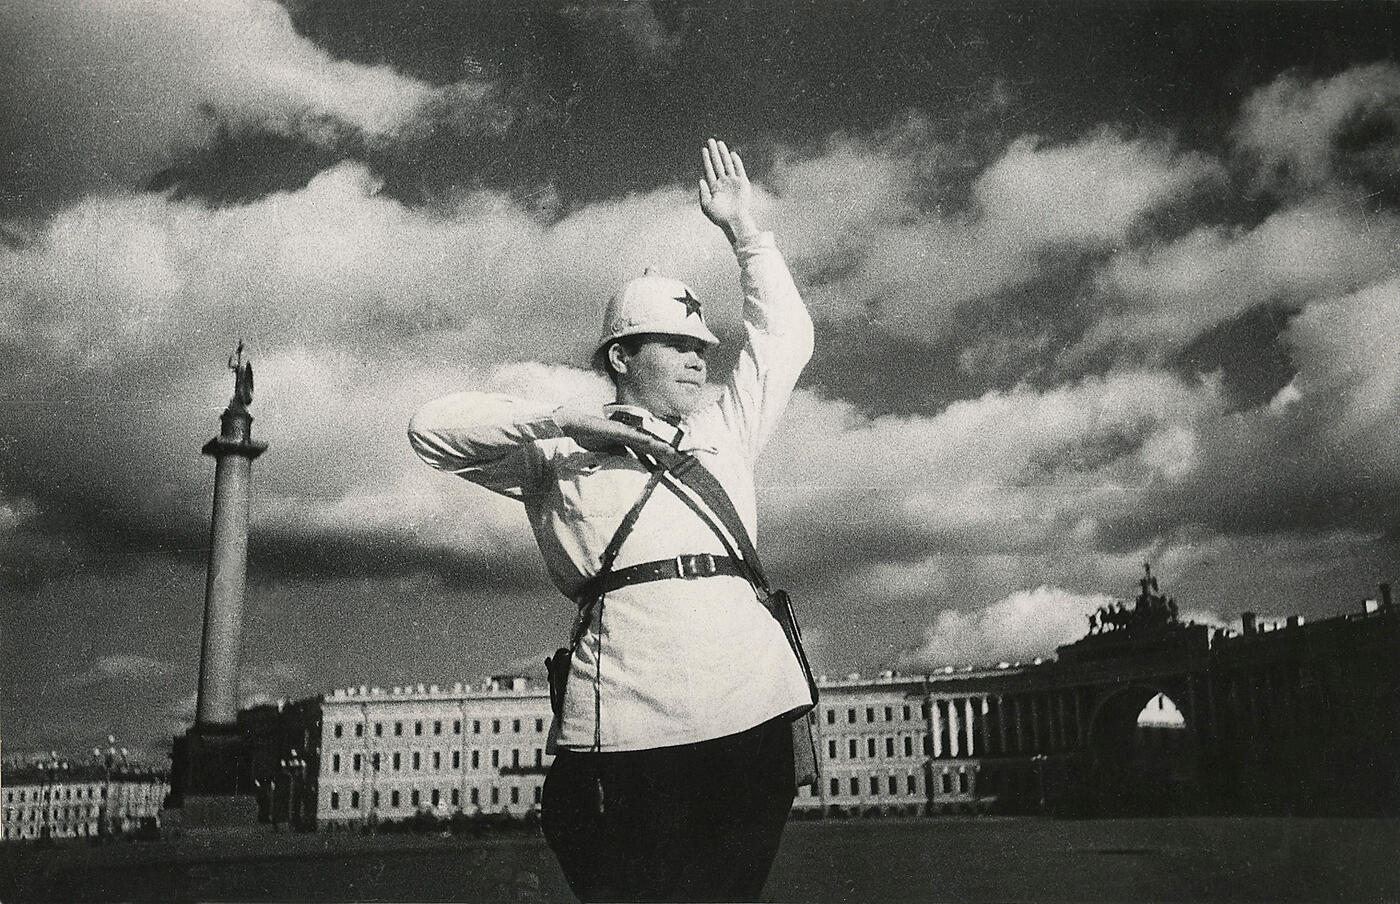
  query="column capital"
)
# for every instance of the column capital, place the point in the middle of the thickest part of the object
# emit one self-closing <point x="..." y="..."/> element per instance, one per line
<point x="223" y="446"/>
<point x="235" y="434"/>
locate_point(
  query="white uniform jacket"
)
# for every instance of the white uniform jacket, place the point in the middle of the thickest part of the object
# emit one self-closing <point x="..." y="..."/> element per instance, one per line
<point x="675" y="661"/>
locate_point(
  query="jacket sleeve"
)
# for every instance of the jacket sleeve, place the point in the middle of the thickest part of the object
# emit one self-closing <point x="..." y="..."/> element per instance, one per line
<point x="778" y="342"/>
<point x="487" y="438"/>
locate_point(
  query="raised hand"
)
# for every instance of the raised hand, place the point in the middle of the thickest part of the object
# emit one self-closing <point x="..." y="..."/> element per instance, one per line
<point x="726" y="196"/>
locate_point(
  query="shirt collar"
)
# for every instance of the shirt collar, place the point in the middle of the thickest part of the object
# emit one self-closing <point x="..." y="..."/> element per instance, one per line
<point x="663" y="430"/>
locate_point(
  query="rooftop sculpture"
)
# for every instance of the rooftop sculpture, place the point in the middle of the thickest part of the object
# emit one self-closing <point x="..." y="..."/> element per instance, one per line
<point x="1151" y="609"/>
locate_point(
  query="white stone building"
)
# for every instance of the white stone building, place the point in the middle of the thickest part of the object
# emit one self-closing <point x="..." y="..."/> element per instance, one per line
<point x="901" y="743"/>
<point x="80" y="801"/>
<point x="391" y="754"/>
<point x="892" y="743"/>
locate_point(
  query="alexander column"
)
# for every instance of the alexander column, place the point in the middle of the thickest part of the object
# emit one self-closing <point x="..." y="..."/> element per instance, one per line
<point x="211" y="773"/>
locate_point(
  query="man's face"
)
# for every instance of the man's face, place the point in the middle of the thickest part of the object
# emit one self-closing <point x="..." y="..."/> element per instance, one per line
<point x="666" y="375"/>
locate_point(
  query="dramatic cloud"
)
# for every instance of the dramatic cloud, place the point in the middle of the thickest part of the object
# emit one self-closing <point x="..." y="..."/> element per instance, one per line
<point x="1162" y="296"/>
<point x="366" y="309"/>
<point x="347" y="282"/>
<point x="1024" y="626"/>
<point x="1020" y="471"/>
<point x="1345" y="348"/>
<point x="1305" y="135"/>
<point x="1045" y="355"/>
<point x="337" y="264"/>
<point x="857" y="213"/>
<point x="1320" y="457"/>
<point x="102" y="95"/>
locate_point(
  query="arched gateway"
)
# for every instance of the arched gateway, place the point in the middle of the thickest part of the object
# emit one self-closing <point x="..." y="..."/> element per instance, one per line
<point x="1287" y="718"/>
<point x="1138" y="766"/>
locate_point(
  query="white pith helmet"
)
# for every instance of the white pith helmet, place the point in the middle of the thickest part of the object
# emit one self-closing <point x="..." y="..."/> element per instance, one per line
<point x="653" y="304"/>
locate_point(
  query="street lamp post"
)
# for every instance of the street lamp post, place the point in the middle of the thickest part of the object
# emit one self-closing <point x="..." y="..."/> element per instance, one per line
<point x="110" y="759"/>
<point x="294" y="768"/>
<point x="51" y="768"/>
<point x="1039" y="760"/>
<point x="272" y="800"/>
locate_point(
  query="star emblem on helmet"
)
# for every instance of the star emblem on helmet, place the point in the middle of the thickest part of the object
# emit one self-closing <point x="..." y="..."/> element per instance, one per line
<point x="692" y="304"/>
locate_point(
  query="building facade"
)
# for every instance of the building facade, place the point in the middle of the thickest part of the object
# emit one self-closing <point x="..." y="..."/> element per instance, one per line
<point x="1145" y="715"/>
<point x="80" y="801"/>
<point x="392" y="754"/>
<point x="899" y="744"/>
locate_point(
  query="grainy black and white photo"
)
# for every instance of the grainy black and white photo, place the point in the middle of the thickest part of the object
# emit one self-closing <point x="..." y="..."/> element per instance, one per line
<point x="358" y="357"/>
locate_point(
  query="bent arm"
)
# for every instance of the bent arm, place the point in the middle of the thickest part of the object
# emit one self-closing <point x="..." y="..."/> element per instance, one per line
<point x="487" y="438"/>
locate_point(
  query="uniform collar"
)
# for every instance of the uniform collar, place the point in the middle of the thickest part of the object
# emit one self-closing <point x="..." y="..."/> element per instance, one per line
<point x="681" y="437"/>
<point x="673" y="434"/>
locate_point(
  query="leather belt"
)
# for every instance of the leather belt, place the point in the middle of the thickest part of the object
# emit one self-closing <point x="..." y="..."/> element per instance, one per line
<point x="686" y="567"/>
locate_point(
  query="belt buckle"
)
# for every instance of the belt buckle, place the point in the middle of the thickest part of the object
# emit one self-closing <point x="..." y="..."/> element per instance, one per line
<point x="701" y="565"/>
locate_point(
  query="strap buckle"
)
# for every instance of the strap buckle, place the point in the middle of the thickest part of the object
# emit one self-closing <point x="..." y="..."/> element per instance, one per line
<point x="701" y="565"/>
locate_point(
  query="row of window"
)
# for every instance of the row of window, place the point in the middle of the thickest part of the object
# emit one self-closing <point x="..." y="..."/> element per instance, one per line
<point x="906" y="713"/>
<point x="356" y="761"/>
<point x="892" y="785"/>
<point x="82" y="829"/>
<point x="76" y="828"/>
<point x="55" y="794"/>
<point x="892" y="745"/>
<point x="947" y="782"/>
<point x="14" y="815"/>
<point x="338" y="728"/>
<point x="435" y="797"/>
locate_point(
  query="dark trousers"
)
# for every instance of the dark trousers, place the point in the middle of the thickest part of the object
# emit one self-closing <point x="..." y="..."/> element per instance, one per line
<point x="696" y="822"/>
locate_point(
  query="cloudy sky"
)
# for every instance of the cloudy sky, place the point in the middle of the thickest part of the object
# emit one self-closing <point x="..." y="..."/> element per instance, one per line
<point x="1094" y="285"/>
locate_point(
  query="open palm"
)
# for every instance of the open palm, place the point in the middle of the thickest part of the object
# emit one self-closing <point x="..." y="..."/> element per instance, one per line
<point x="726" y="196"/>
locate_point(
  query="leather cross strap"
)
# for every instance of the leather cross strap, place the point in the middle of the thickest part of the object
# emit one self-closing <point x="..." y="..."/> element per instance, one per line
<point x="586" y="602"/>
<point x="684" y="470"/>
<point x="681" y="472"/>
